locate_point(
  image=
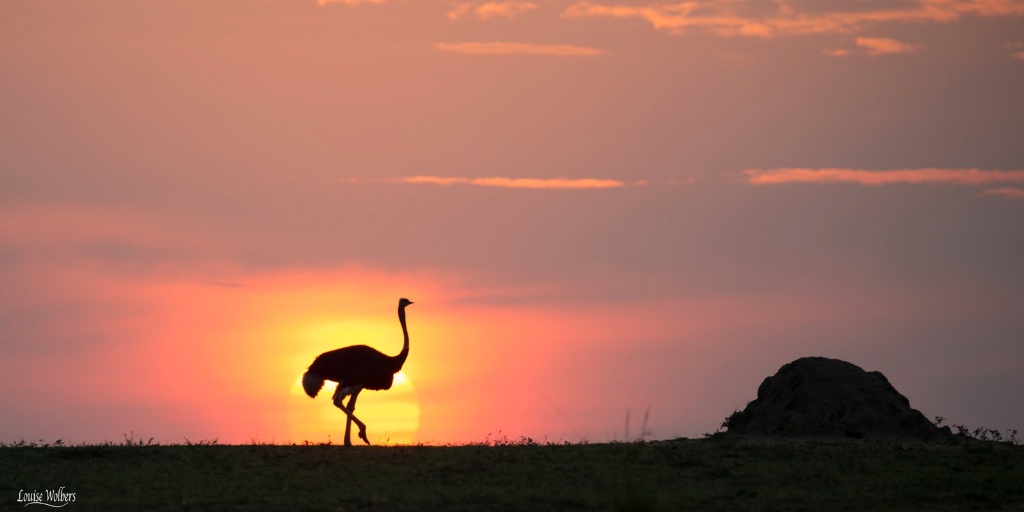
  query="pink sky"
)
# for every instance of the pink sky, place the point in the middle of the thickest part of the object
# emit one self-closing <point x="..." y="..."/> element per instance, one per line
<point x="598" y="208"/>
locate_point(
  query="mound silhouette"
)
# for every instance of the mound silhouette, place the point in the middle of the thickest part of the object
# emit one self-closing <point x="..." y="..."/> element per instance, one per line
<point x="821" y="397"/>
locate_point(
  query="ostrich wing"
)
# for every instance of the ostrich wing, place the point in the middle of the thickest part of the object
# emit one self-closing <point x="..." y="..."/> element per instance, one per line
<point x="357" y="365"/>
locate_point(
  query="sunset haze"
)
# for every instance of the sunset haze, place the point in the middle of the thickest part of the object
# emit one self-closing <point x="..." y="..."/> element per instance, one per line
<point x="601" y="209"/>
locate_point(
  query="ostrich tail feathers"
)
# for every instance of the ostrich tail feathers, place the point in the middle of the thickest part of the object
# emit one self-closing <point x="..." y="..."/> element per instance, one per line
<point x="312" y="383"/>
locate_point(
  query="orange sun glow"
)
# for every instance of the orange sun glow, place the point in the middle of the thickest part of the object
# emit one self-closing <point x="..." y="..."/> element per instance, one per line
<point x="391" y="416"/>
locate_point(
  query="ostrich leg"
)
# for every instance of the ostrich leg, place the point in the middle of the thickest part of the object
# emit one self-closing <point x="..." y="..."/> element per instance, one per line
<point x="339" y="396"/>
<point x="352" y="417"/>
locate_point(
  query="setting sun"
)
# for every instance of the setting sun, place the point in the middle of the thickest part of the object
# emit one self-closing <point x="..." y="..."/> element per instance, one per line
<point x="392" y="416"/>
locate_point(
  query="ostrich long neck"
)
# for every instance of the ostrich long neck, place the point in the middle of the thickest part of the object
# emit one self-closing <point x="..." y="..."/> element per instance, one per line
<point x="399" y="360"/>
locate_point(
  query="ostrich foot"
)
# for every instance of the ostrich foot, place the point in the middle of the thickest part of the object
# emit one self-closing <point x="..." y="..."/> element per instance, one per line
<point x="362" y="435"/>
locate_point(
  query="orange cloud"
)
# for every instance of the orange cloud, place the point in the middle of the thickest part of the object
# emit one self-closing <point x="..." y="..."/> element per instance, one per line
<point x="885" y="46"/>
<point x="460" y="11"/>
<point x="528" y="183"/>
<point x="349" y="2"/>
<point x="668" y="17"/>
<point x="490" y="10"/>
<point x="724" y="18"/>
<point x="865" y="177"/>
<point x="504" y="9"/>
<point x="1007" y="192"/>
<point x="505" y="48"/>
<point x="671" y="17"/>
<point x="982" y="7"/>
<point x="1016" y="49"/>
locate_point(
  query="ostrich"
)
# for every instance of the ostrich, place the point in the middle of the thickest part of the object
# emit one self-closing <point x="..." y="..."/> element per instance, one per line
<point x="356" y="368"/>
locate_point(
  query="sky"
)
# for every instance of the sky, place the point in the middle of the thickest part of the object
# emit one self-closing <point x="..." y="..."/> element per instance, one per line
<point x="603" y="210"/>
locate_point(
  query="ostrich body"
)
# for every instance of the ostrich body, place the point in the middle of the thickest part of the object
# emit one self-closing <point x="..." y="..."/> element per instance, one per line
<point x="356" y="368"/>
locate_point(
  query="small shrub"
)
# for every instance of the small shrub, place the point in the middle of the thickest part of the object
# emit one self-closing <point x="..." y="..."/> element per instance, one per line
<point x="201" y="442"/>
<point x="731" y="420"/>
<point x="985" y="434"/>
<point x="132" y="441"/>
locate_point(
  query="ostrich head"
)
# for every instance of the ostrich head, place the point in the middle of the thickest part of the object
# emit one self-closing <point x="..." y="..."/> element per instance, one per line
<point x="404" y="302"/>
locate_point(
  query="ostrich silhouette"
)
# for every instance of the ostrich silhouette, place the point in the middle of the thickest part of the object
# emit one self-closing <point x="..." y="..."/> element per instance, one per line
<point x="356" y="368"/>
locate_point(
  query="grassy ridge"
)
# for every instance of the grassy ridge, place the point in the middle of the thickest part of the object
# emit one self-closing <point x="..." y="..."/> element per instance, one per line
<point x="669" y="475"/>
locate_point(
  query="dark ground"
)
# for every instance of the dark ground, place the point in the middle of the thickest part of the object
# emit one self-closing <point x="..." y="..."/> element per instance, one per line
<point x="721" y="474"/>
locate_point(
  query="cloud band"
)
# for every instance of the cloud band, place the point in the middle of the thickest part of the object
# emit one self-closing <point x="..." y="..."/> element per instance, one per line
<point x="974" y="177"/>
<point x="506" y="48"/>
<point x="522" y="183"/>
